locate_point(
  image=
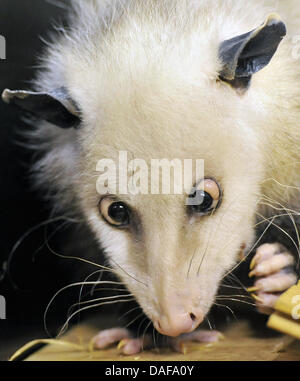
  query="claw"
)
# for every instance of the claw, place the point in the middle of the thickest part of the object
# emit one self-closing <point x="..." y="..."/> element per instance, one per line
<point x="251" y="274"/>
<point x="179" y="346"/>
<point x="257" y="298"/>
<point x="269" y="266"/>
<point x="252" y="263"/>
<point x="183" y="348"/>
<point x="122" y="344"/>
<point x="252" y="289"/>
<point x="108" y="337"/>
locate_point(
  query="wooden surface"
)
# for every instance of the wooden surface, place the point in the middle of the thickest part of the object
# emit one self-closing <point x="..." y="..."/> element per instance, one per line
<point x="239" y="345"/>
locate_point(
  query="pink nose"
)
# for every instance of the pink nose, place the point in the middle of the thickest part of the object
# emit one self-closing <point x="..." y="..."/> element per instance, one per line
<point x="176" y="324"/>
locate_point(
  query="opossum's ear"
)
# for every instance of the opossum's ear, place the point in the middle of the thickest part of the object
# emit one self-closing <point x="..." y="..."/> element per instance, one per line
<point x="55" y="107"/>
<point x="247" y="54"/>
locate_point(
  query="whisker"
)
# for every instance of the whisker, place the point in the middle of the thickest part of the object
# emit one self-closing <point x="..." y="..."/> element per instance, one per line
<point x="190" y="263"/>
<point x="290" y="214"/>
<point x="82" y="286"/>
<point x="141" y="323"/>
<point x="269" y="218"/>
<point x="134" y="319"/>
<point x="66" y="324"/>
<point x="234" y="296"/>
<point x="207" y="245"/>
<point x="101" y="272"/>
<point x="249" y="251"/>
<point x="24" y="236"/>
<point x="211" y="235"/>
<point x="92" y="300"/>
<point x="64" y="288"/>
<point x="228" y="286"/>
<point x="227" y="307"/>
<point x="234" y="278"/>
<point x="144" y="333"/>
<point x="237" y="300"/>
<point x="79" y="259"/>
<point x="286" y="233"/>
<point x="153" y="336"/>
<point x="209" y="323"/>
<point x="49" y="237"/>
<point x="100" y="299"/>
<point x="280" y="184"/>
<point x="80" y="292"/>
<point x="267" y="202"/>
<point x="132" y="277"/>
<point x="128" y="312"/>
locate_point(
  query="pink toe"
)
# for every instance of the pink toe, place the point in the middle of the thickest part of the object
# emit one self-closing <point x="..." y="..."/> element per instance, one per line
<point x="108" y="337"/>
<point x="133" y="347"/>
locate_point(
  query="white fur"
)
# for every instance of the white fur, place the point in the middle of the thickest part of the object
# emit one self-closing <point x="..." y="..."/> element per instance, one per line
<point x="144" y="74"/>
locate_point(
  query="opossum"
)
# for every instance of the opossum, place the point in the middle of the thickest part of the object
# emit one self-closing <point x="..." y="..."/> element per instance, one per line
<point x="187" y="79"/>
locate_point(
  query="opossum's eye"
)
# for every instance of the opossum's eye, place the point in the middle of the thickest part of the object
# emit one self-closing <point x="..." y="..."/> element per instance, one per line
<point x="206" y="197"/>
<point x="115" y="213"/>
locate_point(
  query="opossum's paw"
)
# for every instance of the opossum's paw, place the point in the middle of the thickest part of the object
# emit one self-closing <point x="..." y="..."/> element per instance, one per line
<point x="179" y="344"/>
<point x="273" y="269"/>
<point x="127" y="345"/>
<point x="131" y="346"/>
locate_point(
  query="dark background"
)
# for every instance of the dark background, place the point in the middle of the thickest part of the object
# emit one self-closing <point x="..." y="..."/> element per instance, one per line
<point x="34" y="275"/>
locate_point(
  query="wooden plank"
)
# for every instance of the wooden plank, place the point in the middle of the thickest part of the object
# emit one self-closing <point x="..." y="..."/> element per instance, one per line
<point x="239" y="345"/>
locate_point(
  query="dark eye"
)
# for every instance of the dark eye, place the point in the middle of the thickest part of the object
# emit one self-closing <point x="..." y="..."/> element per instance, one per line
<point x="115" y="213"/>
<point x="205" y="198"/>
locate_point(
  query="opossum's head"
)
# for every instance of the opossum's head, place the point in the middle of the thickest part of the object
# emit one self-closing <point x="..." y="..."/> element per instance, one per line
<point x="171" y="253"/>
<point x="171" y="250"/>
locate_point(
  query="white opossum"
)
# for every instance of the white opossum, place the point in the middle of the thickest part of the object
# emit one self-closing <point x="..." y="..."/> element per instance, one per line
<point x="188" y="79"/>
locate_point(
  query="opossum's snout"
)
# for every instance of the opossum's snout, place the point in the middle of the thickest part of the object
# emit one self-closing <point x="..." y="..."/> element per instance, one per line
<point x="179" y="317"/>
<point x="174" y="267"/>
<point x="178" y="324"/>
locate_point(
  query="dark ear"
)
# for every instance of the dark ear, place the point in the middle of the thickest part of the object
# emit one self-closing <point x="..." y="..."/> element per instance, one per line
<point x="55" y="107"/>
<point x="245" y="55"/>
